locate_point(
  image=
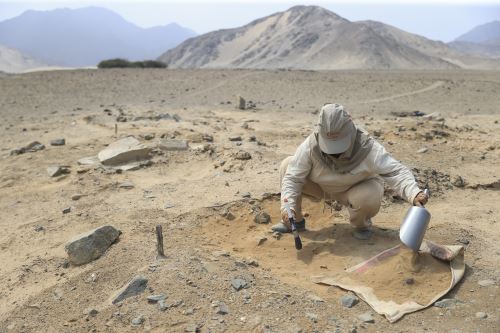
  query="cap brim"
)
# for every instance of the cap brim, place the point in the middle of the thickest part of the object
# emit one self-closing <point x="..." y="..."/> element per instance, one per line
<point x="330" y="146"/>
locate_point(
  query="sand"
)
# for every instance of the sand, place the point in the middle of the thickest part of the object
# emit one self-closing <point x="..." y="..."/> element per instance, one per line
<point x="39" y="292"/>
<point x="407" y="277"/>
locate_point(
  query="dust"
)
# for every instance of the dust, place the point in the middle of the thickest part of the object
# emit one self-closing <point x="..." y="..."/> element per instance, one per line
<point x="407" y="276"/>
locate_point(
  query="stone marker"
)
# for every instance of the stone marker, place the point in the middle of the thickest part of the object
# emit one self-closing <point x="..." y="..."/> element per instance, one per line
<point x="89" y="246"/>
<point x="242" y="104"/>
<point x="134" y="287"/>
<point x="58" y="142"/>
<point x="173" y="144"/>
<point x="124" y="151"/>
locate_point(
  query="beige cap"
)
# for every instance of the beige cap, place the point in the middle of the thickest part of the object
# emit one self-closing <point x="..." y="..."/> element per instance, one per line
<point x="335" y="128"/>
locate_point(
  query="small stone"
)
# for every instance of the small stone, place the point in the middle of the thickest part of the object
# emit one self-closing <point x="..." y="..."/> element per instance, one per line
<point x="246" y="195"/>
<point x="220" y="253"/>
<point x="312" y="316"/>
<point x="138" y="321"/>
<point x="366" y="317"/>
<point x="458" y="181"/>
<point x="192" y="328"/>
<point x="486" y="283"/>
<point x="252" y="138"/>
<point x="244" y="125"/>
<point x="422" y="150"/>
<point x="156" y="298"/>
<point x="222" y="309"/>
<point x="242" y="155"/>
<point x="173" y="145"/>
<point x="235" y="138"/>
<point x="149" y="136"/>
<point x="252" y="262"/>
<point x="228" y="215"/>
<point x="315" y="299"/>
<point x="66" y="210"/>
<point x="409" y="281"/>
<point x="127" y="185"/>
<point x="76" y="196"/>
<point x="447" y="303"/>
<point x="238" y="284"/>
<point x="39" y="228"/>
<point x="58" y="142"/>
<point x="261" y="240"/>
<point x="54" y="171"/>
<point x="262" y="218"/>
<point x="134" y="287"/>
<point x="349" y="300"/>
<point x="277" y="235"/>
<point x="91" y="312"/>
<point x="481" y="315"/>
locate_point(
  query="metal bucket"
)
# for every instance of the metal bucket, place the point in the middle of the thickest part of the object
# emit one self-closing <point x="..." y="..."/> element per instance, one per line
<point x="413" y="228"/>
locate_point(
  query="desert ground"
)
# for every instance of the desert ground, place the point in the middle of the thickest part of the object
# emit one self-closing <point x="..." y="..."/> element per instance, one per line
<point x="206" y="197"/>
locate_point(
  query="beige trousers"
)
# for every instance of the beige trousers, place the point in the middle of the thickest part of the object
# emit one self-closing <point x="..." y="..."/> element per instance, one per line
<point x="362" y="199"/>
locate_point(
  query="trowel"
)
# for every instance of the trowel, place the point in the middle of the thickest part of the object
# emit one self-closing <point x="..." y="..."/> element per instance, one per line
<point x="414" y="225"/>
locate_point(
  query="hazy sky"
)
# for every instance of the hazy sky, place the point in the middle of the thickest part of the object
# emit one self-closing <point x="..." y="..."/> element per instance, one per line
<point x="441" y="19"/>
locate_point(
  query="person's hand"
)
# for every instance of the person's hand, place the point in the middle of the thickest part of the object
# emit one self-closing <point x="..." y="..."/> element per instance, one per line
<point x="420" y="199"/>
<point x="284" y="217"/>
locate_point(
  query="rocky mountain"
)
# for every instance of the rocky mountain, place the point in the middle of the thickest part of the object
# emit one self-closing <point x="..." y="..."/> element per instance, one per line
<point x="483" y="40"/>
<point x="13" y="61"/>
<point x="309" y="37"/>
<point x="85" y="36"/>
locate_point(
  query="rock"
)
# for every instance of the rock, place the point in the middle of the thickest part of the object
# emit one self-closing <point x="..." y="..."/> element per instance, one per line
<point x="76" y="196"/>
<point x="486" y="283"/>
<point x="434" y="116"/>
<point x="137" y="321"/>
<point x="246" y="195"/>
<point x="222" y="309"/>
<point x="134" y="287"/>
<point x="238" y="284"/>
<point x="447" y="303"/>
<point x="315" y="298"/>
<point x="220" y="253"/>
<point x="156" y="298"/>
<point x="242" y="155"/>
<point x="422" y="150"/>
<point x="124" y="151"/>
<point x="235" y="138"/>
<point x="261" y="240"/>
<point x="244" y="125"/>
<point x="39" y="228"/>
<point x="409" y="281"/>
<point x="349" y="300"/>
<point x="162" y="305"/>
<point x="149" y="136"/>
<point x="54" y="171"/>
<point x="458" y="181"/>
<point x="252" y="138"/>
<point x="366" y="317"/>
<point x="92" y="160"/>
<point x="30" y="148"/>
<point x="58" y="142"/>
<point x="89" y="246"/>
<point x="312" y="316"/>
<point x="192" y="328"/>
<point x="66" y="210"/>
<point x="240" y="101"/>
<point x="127" y="185"/>
<point x="481" y="315"/>
<point x="277" y="235"/>
<point x="228" y="215"/>
<point x="91" y="312"/>
<point x="252" y="262"/>
<point x="173" y="145"/>
<point x="262" y="218"/>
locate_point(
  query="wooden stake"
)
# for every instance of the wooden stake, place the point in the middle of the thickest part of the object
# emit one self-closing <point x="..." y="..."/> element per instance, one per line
<point x="159" y="242"/>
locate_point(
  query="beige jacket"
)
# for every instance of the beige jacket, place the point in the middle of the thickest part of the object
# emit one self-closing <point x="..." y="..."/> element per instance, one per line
<point x="377" y="164"/>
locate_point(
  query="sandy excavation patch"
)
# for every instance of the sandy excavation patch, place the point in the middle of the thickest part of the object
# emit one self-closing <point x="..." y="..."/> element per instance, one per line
<point x="328" y="246"/>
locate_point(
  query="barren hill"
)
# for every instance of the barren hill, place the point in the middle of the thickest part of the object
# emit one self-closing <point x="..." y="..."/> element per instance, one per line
<point x="305" y="37"/>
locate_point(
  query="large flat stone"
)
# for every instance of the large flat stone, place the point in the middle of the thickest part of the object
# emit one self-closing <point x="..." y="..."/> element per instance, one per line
<point x="89" y="246"/>
<point x="173" y="144"/>
<point x="124" y="151"/>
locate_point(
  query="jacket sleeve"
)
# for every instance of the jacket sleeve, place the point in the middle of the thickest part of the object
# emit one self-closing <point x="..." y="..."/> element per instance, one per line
<point x="396" y="175"/>
<point x="296" y="174"/>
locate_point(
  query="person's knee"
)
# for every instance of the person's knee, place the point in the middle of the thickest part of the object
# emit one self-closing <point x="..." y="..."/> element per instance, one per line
<point x="367" y="199"/>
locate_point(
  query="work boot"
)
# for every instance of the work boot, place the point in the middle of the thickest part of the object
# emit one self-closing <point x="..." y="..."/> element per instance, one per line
<point x="363" y="233"/>
<point x="281" y="227"/>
